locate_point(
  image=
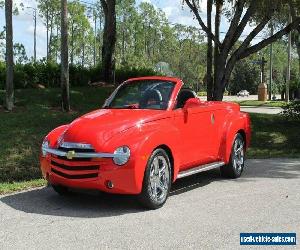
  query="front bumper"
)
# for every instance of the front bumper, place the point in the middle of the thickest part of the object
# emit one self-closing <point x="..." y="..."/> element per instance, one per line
<point x="89" y="171"/>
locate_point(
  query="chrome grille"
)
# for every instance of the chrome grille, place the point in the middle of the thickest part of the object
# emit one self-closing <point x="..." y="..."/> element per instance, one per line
<point x="66" y="168"/>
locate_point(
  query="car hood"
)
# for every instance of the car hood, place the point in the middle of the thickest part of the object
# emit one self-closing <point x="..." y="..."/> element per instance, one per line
<point x="99" y="126"/>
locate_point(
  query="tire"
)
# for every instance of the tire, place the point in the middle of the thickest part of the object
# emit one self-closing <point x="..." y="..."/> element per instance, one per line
<point x="236" y="163"/>
<point x="61" y="190"/>
<point x="157" y="180"/>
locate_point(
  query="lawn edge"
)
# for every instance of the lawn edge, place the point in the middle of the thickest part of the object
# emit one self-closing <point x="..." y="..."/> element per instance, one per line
<point x="8" y="188"/>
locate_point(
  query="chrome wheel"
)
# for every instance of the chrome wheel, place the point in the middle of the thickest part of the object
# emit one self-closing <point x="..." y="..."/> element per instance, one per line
<point x="159" y="179"/>
<point x="238" y="154"/>
<point x="235" y="166"/>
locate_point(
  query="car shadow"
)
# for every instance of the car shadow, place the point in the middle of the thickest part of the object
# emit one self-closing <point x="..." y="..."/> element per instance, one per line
<point x="87" y="204"/>
<point x="92" y="204"/>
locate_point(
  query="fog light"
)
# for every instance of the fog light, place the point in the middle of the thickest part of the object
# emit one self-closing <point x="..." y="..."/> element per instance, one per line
<point x="109" y="184"/>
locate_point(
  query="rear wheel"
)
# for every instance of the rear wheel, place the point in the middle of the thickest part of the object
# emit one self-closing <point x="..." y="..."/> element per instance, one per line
<point x="236" y="163"/>
<point x="61" y="190"/>
<point x="157" y="180"/>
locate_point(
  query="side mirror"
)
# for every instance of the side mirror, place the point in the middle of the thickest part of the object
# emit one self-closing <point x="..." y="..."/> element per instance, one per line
<point x="192" y="102"/>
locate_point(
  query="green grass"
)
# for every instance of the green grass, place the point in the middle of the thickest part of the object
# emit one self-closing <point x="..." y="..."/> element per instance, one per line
<point x="37" y="112"/>
<point x="262" y="103"/>
<point x="19" y="186"/>
<point x="274" y="136"/>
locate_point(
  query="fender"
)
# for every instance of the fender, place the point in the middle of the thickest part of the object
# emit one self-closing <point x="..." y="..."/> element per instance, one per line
<point x="234" y="123"/>
<point x="55" y="134"/>
<point x="142" y="140"/>
<point x="154" y="139"/>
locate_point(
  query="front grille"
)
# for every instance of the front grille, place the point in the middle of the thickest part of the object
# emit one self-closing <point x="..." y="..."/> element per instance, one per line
<point x="77" y="150"/>
<point x="75" y="176"/>
<point x="74" y="168"/>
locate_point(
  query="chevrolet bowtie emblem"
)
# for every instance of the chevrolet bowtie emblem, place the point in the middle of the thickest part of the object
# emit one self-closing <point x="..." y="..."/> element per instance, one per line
<point x="70" y="155"/>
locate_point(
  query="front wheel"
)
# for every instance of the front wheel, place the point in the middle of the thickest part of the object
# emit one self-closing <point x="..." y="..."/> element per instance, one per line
<point x="236" y="163"/>
<point x="157" y="180"/>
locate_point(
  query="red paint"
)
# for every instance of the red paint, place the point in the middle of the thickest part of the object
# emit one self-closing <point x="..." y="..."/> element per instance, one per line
<point x="201" y="132"/>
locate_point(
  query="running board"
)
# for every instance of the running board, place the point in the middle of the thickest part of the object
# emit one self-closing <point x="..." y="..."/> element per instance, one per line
<point x="199" y="169"/>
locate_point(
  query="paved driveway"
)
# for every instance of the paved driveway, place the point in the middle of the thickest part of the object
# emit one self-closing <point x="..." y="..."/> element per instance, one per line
<point x="203" y="212"/>
<point x="261" y="109"/>
<point x="239" y="98"/>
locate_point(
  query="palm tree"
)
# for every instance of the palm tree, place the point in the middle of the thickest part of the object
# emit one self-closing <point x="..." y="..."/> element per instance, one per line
<point x="9" y="96"/>
<point x="65" y="92"/>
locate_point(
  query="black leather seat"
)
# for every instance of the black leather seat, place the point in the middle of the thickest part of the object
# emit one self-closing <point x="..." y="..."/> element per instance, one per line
<point x="183" y="96"/>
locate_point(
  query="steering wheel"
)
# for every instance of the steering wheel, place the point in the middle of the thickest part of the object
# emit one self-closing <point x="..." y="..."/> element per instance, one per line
<point x="152" y="95"/>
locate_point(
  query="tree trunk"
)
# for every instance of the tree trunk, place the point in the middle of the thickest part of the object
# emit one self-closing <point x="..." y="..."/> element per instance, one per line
<point x="109" y="39"/>
<point x="9" y="94"/>
<point x="209" y="81"/>
<point x="123" y="41"/>
<point x="100" y="30"/>
<point x="51" y="40"/>
<point x="218" y="61"/>
<point x="64" y="58"/>
<point x="83" y="55"/>
<point x="72" y="44"/>
<point x="47" y="30"/>
<point x="56" y="51"/>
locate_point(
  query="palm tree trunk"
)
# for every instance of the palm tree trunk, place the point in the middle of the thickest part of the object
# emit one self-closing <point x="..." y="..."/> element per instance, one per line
<point x="64" y="58"/>
<point x="9" y="95"/>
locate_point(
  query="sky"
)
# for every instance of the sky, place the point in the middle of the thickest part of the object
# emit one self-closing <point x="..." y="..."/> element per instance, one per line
<point x="24" y="26"/>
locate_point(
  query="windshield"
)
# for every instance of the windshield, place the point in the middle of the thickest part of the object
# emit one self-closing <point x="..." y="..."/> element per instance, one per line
<point x="142" y="94"/>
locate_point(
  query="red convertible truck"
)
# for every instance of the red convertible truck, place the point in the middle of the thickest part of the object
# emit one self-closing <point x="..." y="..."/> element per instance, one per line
<point x="150" y="132"/>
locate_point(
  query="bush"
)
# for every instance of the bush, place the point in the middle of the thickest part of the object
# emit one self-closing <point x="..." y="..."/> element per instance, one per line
<point x="48" y="74"/>
<point x="202" y="93"/>
<point x="292" y="110"/>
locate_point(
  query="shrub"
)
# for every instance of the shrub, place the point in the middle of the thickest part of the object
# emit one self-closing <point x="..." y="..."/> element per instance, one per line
<point x="202" y="93"/>
<point x="292" y="110"/>
<point x="48" y="74"/>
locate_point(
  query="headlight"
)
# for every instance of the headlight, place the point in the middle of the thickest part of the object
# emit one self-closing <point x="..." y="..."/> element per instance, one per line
<point x="45" y="145"/>
<point x="122" y="155"/>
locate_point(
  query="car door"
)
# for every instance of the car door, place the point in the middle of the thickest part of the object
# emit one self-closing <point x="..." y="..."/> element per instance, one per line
<point x="196" y="127"/>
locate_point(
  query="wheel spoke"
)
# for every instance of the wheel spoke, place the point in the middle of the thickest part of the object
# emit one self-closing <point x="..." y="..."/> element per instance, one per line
<point x="162" y="171"/>
<point x="155" y="191"/>
<point x="156" y="166"/>
<point x="239" y="149"/>
<point x="159" y="178"/>
<point x="162" y="185"/>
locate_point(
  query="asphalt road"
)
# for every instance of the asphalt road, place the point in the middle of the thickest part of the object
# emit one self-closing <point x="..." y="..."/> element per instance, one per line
<point x="203" y="212"/>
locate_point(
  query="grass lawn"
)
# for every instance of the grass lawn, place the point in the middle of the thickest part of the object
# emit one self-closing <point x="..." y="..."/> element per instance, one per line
<point x="262" y="103"/>
<point x="274" y="136"/>
<point x="37" y="112"/>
